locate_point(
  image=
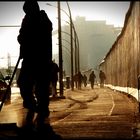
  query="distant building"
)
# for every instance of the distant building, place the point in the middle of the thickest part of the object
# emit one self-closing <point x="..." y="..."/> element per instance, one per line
<point x="95" y="38"/>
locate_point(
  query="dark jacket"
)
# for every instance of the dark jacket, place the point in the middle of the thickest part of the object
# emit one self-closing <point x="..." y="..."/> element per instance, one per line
<point x="35" y="38"/>
<point x="92" y="77"/>
<point x="55" y="70"/>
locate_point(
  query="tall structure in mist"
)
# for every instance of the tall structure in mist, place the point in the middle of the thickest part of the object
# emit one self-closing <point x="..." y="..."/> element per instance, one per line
<point x="95" y="40"/>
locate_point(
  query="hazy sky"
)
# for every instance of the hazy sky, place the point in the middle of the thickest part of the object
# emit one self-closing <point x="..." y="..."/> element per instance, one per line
<point x="11" y="13"/>
<point x="113" y="12"/>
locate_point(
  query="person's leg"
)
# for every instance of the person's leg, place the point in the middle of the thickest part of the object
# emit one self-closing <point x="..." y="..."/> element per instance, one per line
<point x="43" y="127"/>
<point x="103" y="83"/>
<point x="42" y="95"/>
<point x="53" y="89"/>
<point x="100" y="84"/>
<point x="25" y="83"/>
<point x="91" y="85"/>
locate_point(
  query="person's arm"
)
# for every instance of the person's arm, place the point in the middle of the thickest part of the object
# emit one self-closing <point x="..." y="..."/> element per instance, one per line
<point x="20" y="37"/>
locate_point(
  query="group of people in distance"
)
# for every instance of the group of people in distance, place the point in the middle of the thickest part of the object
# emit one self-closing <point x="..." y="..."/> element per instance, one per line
<point x="92" y="78"/>
<point x="79" y="79"/>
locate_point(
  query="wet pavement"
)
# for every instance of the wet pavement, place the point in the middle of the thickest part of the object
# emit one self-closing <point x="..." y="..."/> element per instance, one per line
<point x="100" y="113"/>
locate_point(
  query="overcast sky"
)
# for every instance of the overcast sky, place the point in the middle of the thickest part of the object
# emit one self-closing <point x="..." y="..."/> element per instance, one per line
<point x="113" y="12"/>
<point x="11" y="13"/>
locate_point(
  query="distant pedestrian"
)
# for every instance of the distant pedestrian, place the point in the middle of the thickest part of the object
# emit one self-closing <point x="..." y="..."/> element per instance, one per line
<point x="85" y="80"/>
<point x="92" y="78"/>
<point x="79" y="79"/>
<point x="54" y="78"/>
<point x="102" y="78"/>
<point x="75" y="79"/>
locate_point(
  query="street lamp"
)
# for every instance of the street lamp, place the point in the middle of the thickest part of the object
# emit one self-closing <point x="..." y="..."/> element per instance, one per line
<point x="75" y="51"/>
<point x="72" y="80"/>
<point x="71" y="23"/>
<point x="76" y="41"/>
<point x="67" y="34"/>
<point x="68" y="51"/>
<point x="71" y="40"/>
<point x="67" y="56"/>
<point x="76" y="45"/>
<point x="60" y="51"/>
<point x="60" y="47"/>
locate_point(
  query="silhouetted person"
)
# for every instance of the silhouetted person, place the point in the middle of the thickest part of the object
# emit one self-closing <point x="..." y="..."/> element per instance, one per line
<point x="35" y="39"/>
<point x="79" y="79"/>
<point x="92" y="77"/>
<point x="85" y="80"/>
<point x="102" y="78"/>
<point x="55" y="70"/>
<point x="75" y="79"/>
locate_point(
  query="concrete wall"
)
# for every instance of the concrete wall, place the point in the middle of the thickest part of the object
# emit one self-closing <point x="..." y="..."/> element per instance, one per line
<point x="122" y="62"/>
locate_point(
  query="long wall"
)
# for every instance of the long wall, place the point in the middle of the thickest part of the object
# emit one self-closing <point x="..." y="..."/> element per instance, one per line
<point x="122" y="62"/>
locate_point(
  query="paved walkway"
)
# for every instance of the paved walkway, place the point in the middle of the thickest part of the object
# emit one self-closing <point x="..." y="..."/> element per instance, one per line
<point x="83" y="114"/>
<point x="98" y="114"/>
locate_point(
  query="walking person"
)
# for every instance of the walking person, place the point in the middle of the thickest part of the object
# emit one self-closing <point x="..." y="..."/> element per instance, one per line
<point x="92" y="77"/>
<point x="79" y="79"/>
<point x="35" y="39"/>
<point x="102" y="78"/>
<point x="54" y="79"/>
<point x="75" y="79"/>
<point x="85" y="80"/>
